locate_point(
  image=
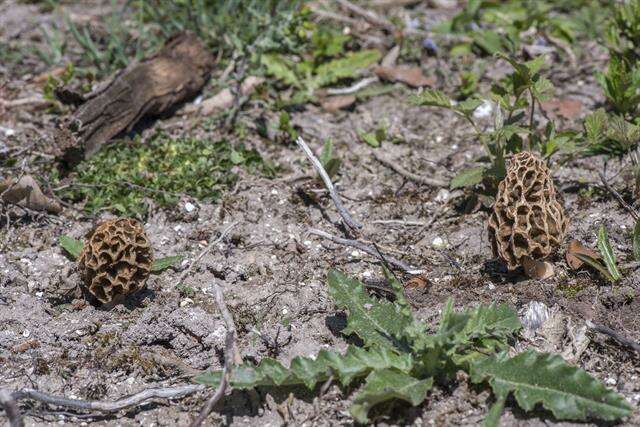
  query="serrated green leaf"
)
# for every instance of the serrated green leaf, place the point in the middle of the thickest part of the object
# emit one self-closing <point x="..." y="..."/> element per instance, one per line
<point x="71" y="245"/>
<point x="355" y="363"/>
<point x="468" y="106"/>
<point x="377" y="322"/>
<point x="636" y="241"/>
<point x="540" y="378"/>
<point x="280" y="68"/>
<point x="347" y="67"/>
<point x="607" y="254"/>
<point x="468" y="177"/>
<point x="432" y="98"/>
<point x="162" y="263"/>
<point x="388" y="384"/>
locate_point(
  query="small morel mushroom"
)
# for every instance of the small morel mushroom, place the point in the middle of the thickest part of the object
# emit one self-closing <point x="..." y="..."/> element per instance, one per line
<point x="116" y="259"/>
<point x="527" y="220"/>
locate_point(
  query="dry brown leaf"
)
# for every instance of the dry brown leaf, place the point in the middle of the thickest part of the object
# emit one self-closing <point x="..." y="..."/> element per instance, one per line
<point x="567" y="108"/>
<point x="537" y="269"/>
<point x="576" y="247"/>
<point x="411" y="76"/>
<point x="339" y="102"/>
<point x="391" y="57"/>
<point x="224" y="99"/>
<point x="26" y="193"/>
<point x="417" y="282"/>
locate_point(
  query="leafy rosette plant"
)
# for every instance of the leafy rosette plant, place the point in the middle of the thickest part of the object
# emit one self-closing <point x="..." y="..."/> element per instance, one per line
<point x="401" y="359"/>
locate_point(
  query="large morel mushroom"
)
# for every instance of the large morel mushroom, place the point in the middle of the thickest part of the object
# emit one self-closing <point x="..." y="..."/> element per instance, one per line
<point x="116" y="259"/>
<point x="527" y="219"/>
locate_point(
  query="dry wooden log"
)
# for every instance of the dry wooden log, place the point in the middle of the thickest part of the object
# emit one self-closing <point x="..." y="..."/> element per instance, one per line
<point x="151" y="87"/>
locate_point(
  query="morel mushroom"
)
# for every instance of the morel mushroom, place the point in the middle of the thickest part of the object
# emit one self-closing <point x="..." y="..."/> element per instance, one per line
<point x="527" y="219"/>
<point x="116" y="259"/>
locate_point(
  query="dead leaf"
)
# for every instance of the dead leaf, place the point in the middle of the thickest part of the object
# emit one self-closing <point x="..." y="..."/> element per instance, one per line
<point x="576" y="247"/>
<point x="26" y="192"/>
<point x="411" y="76"/>
<point x="224" y="98"/>
<point x="391" y="57"/>
<point x="339" y="102"/>
<point x="567" y="108"/>
<point x="418" y="282"/>
<point x="537" y="269"/>
<point x="25" y="345"/>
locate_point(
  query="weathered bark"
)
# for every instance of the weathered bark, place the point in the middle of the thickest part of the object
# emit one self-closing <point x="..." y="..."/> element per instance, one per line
<point x="148" y="88"/>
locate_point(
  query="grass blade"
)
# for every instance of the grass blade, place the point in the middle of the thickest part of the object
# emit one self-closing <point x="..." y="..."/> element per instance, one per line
<point x="636" y="241"/>
<point x="607" y="253"/>
<point x="592" y="262"/>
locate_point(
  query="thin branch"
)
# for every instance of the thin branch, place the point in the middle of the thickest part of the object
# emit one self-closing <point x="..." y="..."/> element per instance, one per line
<point x="367" y="249"/>
<point x="400" y="222"/>
<point x="613" y="334"/>
<point x="10" y="408"/>
<point x="205" y="251"/>
<point x="346" y="217"/>
<point x="434" y="182"/>
<point x="110" y="406"/>
<point x="353" y="88"/>
<point x="368" y="15"/>
<point x="231" y="356"/>
<point x="617" y="195"/>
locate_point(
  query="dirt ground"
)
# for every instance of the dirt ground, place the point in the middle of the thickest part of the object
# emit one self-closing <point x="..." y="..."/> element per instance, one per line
<point x="272" y="271"/>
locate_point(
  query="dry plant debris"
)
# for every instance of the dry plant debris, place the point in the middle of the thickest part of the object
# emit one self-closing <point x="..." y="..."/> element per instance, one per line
<point x="116" y="259"/>
<point x="26" y="192"/>
<point x="527" y="218"/>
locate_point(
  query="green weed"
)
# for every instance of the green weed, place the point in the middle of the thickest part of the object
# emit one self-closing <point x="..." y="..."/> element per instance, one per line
<point x="120" y="177"/>
<point x="402" y="360"/>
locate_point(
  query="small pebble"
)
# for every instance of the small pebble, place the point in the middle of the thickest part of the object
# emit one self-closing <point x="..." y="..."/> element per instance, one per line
<point x="186" y="302"/>
<point x="443" y="195"/>
<point x="189" y="207"/>
<point x="438" y="242"/>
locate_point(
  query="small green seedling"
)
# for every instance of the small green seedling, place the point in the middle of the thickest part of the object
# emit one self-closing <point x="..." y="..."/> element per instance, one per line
<point x="74" y="248"/>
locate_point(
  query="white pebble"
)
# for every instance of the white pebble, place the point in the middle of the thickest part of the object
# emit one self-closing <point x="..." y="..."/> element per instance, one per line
<point x="26" y="333"/>
<point x="443" y="195"/>
<point x="185" y="302"/>
<point x="189" y="207"/>
<point x="355" y="253"/>
<point x="438" y="242"/>
<point x="484" y="110"/>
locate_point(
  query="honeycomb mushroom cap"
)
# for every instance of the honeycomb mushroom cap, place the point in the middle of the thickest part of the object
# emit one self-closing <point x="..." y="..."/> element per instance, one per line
<point x="527" y="218"/>
<point x="116" y="259"/>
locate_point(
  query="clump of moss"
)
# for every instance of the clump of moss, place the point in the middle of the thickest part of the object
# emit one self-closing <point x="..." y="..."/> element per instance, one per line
<point x="120" y="177"/>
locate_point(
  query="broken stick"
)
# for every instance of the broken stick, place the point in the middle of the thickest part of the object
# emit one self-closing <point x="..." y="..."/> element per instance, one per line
<point x="148" y="88"/>
<point x="346" y="217"/>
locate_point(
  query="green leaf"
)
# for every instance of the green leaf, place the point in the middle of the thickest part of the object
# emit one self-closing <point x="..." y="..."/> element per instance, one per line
<point x="280" y="68"/>
<point x="636" y="241"/>
<point x="388" y="384"/>
<point x="431" y="97"/>
<point x="347" y="67"/>
<point x="540" y="378"/>
<point x="377" y="322"/>
<point x="71" y="245"/>
<point x="236" y="157"/>
<point x="607" y="253"/>
<point x="594" y="263"/>
<point x="356" y="362"/>
<point x="162" y="263"/>
<point x="468" y="178"/>
<point x="370" y="138"/>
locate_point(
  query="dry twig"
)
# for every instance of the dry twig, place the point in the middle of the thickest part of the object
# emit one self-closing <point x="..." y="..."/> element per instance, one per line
<point x="353" y="88"/>
<point x="434" y="182"/>
<point x="617" y="195"/>
<point x="231" y="355"/>
<point x="109" y="406"/>
<point x="613" y="334"/>
<point x="367" y="249"/>
<point x="346" y="217"/>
